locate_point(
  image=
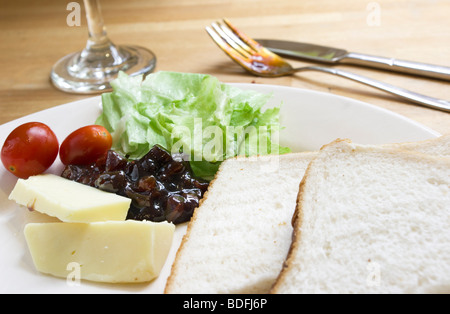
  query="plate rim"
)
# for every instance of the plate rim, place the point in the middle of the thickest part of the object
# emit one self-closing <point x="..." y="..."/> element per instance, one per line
<point x="346" y="98"/>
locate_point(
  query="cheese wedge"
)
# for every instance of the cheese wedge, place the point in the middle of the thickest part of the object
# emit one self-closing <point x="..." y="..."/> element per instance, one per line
<point x="114" y="251"/>
<point x="68" y="200"/>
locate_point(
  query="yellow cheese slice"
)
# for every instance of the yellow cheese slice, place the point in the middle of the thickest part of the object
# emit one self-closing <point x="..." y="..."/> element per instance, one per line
<point x="112" y="251"/>
<point x="68" y="200"/>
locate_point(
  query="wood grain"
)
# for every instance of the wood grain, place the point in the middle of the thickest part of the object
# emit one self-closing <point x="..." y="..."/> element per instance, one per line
<point x="34" y="35"/>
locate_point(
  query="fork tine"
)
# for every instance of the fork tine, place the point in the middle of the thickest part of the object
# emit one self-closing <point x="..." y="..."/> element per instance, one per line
<point x="246" y="39"/>
<point x="223" y="34"/>
<point x="230" y="51"/>
<point x="233" y="36"/>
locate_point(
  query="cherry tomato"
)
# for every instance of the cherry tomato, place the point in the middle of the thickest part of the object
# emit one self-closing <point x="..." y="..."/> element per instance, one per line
<point x="29" y="149"/>
<point x="85" y="145"/>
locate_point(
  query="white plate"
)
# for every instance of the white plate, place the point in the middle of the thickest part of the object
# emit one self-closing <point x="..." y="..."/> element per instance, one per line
<point x="311" y="119"/>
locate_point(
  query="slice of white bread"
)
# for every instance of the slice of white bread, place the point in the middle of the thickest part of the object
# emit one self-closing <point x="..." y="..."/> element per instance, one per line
<point x="240" y="234"/>
<point x="439" y="146"/>
<point x="230" y="249"/>
<point x="371" y="219"/>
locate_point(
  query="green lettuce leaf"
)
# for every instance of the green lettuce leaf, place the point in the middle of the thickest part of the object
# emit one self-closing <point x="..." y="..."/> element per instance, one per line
<point x="195" y="114"/>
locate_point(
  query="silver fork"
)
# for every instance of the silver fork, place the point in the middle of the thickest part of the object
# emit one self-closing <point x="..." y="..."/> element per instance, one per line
<point x="259" y="61"/>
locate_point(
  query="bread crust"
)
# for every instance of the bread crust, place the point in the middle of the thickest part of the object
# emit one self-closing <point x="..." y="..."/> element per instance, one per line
<point x="174" y="268"/>
<point x="296" y="234"/>
<point x="297" y="220"/>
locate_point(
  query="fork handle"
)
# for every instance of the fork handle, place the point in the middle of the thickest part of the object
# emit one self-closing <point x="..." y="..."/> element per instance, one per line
<point x="420" y="99"/>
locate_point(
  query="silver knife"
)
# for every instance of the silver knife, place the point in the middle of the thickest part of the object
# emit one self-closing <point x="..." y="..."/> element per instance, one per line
<point x="332" y="55"/>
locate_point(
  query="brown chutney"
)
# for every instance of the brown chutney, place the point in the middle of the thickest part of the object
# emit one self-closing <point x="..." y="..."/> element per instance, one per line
<point x="162" y="186"/>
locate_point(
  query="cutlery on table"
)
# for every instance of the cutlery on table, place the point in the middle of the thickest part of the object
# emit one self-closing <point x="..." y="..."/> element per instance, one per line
<point x="260" y="61"/>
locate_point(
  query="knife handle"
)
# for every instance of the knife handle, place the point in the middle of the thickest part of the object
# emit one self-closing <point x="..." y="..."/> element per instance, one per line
<point x="410" y="67"/>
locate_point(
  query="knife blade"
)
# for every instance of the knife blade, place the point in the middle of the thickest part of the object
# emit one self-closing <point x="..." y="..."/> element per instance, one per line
<point x="330" y="55"/>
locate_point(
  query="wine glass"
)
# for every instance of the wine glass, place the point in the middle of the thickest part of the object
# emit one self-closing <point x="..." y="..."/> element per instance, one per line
<point x="92" y="69"/>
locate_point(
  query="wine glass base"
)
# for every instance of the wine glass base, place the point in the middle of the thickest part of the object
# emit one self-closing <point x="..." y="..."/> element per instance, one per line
<point x="76" y="73"/>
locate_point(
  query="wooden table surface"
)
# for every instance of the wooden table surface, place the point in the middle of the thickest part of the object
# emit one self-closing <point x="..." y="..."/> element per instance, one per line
<point x="35" y="34"/>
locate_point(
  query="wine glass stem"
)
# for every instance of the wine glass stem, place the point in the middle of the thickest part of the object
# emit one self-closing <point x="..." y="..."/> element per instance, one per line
<point x="96" y="26"/>
<point x="93" y="68"/>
